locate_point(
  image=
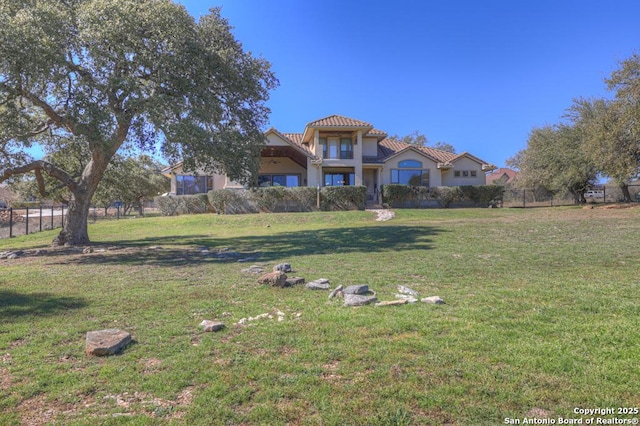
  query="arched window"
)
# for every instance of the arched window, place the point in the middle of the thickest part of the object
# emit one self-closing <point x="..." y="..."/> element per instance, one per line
<point x="410" y="164"/>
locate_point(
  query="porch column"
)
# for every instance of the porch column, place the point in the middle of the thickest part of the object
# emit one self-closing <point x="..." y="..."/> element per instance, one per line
<point x="357" y="159"/>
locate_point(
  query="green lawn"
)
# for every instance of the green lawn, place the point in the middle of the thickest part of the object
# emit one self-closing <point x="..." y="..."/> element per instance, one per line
<point x="541" y="317"/>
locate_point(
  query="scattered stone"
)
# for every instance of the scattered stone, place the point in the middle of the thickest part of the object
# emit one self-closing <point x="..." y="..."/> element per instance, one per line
<point x="357" y="289"/>
<point x="409" y="299"/>
<point x="210" y="326"/>
<point x="284" y="267"/>
<point x="87" y="250"/>
<point x="359" y="299"/>
<point x="319" y="284"/>
<point x="294" y="281"/>
<point x="106" y="342"/>
<point x="382" y="215"/>
<point x="247" y="259"/>
<point x="274" y="279"/>
<point x="280" y="316"/>
<point x="154" y="248"/>
<point x="433" y="299"/>
<point x="406" y="290"/>
<point x="11" y="254"/>
<point x="253" y="269"/>
<point x="392" y="302"/>
<point x="336" y="291"/>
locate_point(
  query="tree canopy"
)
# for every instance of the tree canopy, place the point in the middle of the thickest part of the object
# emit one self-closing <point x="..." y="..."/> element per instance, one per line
<point x="601" y="136"/>
<point x="419" y="139"/>
<point x="102" y="74"/>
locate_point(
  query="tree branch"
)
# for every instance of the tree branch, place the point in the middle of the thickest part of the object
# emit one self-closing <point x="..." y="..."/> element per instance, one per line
<point x="38" y="167"/>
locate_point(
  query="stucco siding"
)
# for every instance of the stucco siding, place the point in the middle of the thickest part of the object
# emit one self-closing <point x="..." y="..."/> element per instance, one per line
<point x="462" y="173"/>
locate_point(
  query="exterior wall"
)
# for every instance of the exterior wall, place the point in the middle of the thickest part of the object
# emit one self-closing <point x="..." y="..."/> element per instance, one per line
<point x="427" y="163"/>
<point x="369" y="147"/>
<point x="283" y="165"/>
<point x="219" y="181"/>
<point x="274" y="140"/>
<point x="464" y="164"/>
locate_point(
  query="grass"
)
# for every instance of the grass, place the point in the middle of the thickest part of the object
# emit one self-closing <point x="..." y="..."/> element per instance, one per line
<point x="541" y="317"/>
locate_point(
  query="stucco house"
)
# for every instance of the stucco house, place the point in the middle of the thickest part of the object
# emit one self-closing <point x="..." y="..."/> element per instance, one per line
<point x="338" y="150"/>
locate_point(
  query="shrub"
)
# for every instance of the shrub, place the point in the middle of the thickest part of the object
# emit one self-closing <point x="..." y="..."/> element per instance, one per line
<point x="183" y="204"/>
<point x="343" y="197"/>
<point x="231" y="201"/>
<point x="395" y="194"/>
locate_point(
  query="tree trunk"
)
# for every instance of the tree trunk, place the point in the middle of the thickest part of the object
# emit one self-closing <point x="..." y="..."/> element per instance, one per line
<point x="74" y="230"/>
<point x="626" y="195"/>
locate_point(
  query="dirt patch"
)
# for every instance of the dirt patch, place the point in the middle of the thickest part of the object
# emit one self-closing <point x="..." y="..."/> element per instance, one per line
<point x="5" y="379"/>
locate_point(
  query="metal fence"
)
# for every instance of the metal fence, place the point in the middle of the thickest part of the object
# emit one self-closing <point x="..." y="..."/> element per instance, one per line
<point x="537" y="198"/>
<point x="23" y="221"/>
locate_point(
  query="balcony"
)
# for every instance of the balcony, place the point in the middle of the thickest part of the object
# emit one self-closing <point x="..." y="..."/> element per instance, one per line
<point x="343" y="155"/>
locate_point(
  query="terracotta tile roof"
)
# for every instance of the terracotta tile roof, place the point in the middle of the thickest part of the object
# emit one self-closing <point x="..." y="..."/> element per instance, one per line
<point x="338" y="121"/>
<point x="390" y="147"/>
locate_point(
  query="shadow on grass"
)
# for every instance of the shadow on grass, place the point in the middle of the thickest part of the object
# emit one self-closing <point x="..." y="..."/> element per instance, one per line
<point x="13" y="305"/>
<point x="187" y="250"/>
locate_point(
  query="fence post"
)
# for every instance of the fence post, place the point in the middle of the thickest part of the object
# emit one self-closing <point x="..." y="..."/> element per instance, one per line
<point x="524" y="198"/>
<point x="51" y="215"/>
<point x="40" y="217"/>
<point x="27" y="226"/>
<point x="604" y="194"/>
<point x="118" y="212"/>
<point x="62" y="211"/>
<point x="11" y="222"/>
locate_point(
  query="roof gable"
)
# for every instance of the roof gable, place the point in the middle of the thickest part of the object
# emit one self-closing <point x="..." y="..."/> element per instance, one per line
<point x="338" y="121"/>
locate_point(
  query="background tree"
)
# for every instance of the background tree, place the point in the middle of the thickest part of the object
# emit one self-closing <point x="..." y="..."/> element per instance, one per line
<point x="608" y="140"/>
<point x="419" y="139"/>
<point x="104" y="73"/>
<point x="554" y="161"/>
<point x="131" y="181"/>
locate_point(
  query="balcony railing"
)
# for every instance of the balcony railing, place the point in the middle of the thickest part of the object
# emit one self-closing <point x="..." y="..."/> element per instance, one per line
<point x="344" y="155"/>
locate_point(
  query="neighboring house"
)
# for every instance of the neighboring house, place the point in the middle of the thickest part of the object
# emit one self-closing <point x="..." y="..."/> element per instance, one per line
<point x="338" y="150"/>
<point x="501" y="176"/>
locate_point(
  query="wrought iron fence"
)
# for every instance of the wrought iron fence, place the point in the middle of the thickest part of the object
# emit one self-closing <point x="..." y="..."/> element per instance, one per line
<point x="537" y="198"/>
<point x="23" y="221"/>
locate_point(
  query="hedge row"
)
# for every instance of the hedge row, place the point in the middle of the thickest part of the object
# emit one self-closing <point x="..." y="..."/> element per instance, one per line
<point x="273" y="199"/>
<point x="442" y="196"/>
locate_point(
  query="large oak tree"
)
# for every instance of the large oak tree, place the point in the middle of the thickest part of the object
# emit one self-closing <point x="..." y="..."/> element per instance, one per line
<point x="109" y="73"/>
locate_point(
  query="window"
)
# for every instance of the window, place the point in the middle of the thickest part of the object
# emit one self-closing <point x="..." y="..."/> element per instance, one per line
<point x="465" y="173"/>
<point x="339" y="179"/>
<point x="410" y="172"/>
<point x="187" y="184"/>
<point x="346" y="149"/>
<point x="416" y="177"/>
<point x="337" y="148"/>
<point x="410" y="164"/>
<point x="278" y="180"/>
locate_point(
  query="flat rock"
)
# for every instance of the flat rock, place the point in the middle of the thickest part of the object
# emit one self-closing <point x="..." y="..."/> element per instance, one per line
<point x="392" y="302"/>
<point x="356" y="289"/>
<point x="106" y="342"/>
<point x="284" y="267"/>
<point x="253" y="269"/>
<point x="407" y="297"/>
<point x="433" y="299"/>
<point x="319" y="284"/>
<point x="274" y="279"/>
<point x="336" y="291"/>
<point x="294" y="281"/>
<point x="406" y="290"/>
<point x="359" y="299"/>
<point x="209" y="326"/>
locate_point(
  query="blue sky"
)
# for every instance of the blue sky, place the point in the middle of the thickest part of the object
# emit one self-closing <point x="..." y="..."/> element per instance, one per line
<point x="479" y="75"/>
